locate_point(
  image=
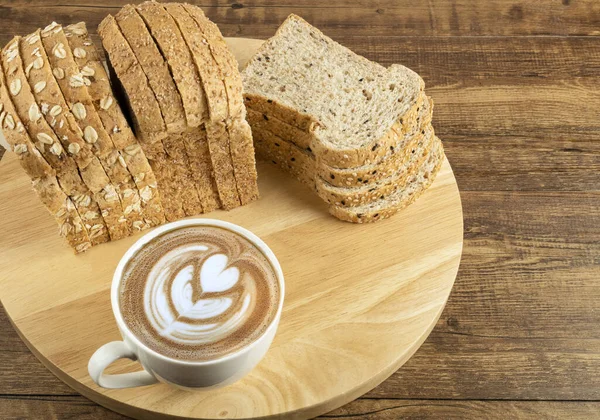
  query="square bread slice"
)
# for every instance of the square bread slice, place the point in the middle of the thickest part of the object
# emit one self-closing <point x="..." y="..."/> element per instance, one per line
<point x="349" y="103"/>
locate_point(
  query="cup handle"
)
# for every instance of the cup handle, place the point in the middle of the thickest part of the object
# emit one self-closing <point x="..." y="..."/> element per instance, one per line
<point x="109" y="353"/>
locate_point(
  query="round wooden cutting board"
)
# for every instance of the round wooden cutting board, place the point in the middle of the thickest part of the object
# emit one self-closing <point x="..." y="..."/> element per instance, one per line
<point x="360" y="299"/>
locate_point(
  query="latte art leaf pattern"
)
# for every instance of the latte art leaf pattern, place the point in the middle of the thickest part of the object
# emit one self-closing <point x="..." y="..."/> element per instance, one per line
<point x="199" y="302"/>
<point x="198" y="293"/>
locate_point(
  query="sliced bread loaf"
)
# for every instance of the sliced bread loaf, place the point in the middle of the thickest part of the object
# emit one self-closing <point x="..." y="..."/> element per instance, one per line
<point x="155" y="68"/>
<point x="171" y="44"/>
<point x="116" y="125"/>
<point x="353" y="103"/>
<point x="48" y="145"/>
<point x="73" y="87"/>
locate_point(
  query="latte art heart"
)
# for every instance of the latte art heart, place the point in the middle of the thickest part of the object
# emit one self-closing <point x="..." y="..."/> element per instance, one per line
<point x="203" y="302"/>
<point x="198" y="293"/>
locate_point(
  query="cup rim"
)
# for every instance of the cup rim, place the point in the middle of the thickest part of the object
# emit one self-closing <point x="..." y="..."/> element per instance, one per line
<point x="259" y="243"/>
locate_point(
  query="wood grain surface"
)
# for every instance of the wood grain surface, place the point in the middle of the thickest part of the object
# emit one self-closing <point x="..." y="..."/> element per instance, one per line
<point x="517" y="92"/>
<point x="359" y="301"/>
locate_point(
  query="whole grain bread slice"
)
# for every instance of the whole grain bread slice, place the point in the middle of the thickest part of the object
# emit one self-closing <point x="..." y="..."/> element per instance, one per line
<point x="155" y="68"/>
<point x="196" y="147"/>
<point x="74" y="89"/>
<point x="42" y="175"/>
<point x="355" y="107"/>
<point x="207" y="68"/>
<point x="144" y="106"/>
<point x="414" y="187"/>
<point x="48" y="145"/>
<point x="219" y="147"/>
<point x="171" y="44"/>
<point x="146" y="113"/>
<point x="355" y="196"/>
<point x="384" y="167"/>
<point x="117" y="126"/>
<point x="242" y="156"/>
<point x="227" y="66"/>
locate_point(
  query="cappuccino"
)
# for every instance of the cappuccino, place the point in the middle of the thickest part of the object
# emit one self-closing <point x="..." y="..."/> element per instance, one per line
<point x="198" y="293"/>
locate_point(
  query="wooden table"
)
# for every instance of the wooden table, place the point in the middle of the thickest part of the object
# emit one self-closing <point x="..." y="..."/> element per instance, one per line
<point x="517" y="92"/>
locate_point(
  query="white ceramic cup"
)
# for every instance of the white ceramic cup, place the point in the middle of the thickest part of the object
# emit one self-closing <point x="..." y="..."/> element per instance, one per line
<point x="181" y="373"/>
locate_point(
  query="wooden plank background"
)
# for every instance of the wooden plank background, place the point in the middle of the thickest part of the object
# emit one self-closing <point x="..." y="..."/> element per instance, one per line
<point x="517" y="91"/>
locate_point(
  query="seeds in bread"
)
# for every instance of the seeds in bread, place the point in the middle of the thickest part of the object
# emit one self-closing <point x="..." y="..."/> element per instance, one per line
<point x="70" y="225"/>
<point x="355" y="196"/>
<point x="227" y="65"/>
<point x="42" y="175"/>
<point x="154" y="66"/>
<point x="283" y="154"/>
<point x="117" y="127"/>
<point x="368" y="99"/>
<point x="214" y="88"/>
<point x="170" y="42"/>
<point x="140" y="97"/>
<point x="74" y="88"/>
<point x="50" y="103"/>
<point x="29" y="157"/>
<point x="196" y="147"/>
<point x="48" y="144"/>
<point x="66" y="129"/>
<point x="359" y="176"/>
<point x="383" y="209"/>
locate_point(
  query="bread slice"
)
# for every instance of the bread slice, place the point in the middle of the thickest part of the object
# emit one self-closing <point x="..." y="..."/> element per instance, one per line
<point x="297" y="162"/>
<point x="155" y="68"/>
<point x="74" y="89"/>
<point x="222" y="84"/>
<point x="171" y="44"/>
<point x="239" y="136"/>
<point x="362" y="175"/>
<point x="196" y="147"/>
<point x="227" y="65"/>
<point x="117" y="126"/>
<point x="145" y="111"/>
<point x="42" y="175"/>
<point x="213" y="86"/>
<point x="48" y="145"/>
<point x="218" y="145"/>
<point x="140" y="98"/>
<point x="414" y="187"/>
<point x="353" y="103"/>
<point x="355" y="196"/>
<point x="242" y="154"/>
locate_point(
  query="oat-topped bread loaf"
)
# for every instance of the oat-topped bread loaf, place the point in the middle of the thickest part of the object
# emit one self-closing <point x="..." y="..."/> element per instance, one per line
<point x="184" y="92"/>
<point x="352" y="130"/>
<point x="53" y="94"/>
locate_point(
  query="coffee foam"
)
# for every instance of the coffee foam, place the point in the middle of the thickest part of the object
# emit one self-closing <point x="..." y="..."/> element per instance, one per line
<point x="198" y="293"/>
